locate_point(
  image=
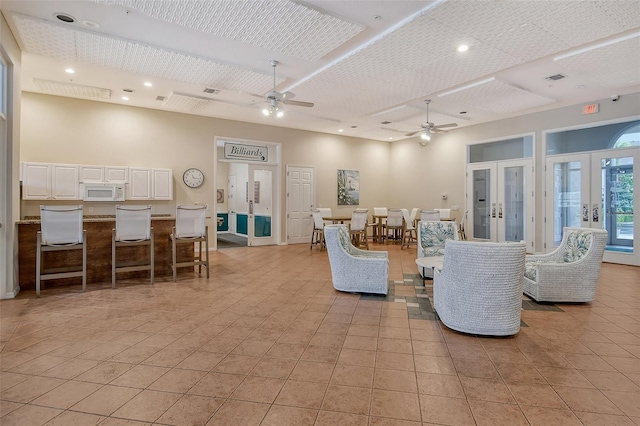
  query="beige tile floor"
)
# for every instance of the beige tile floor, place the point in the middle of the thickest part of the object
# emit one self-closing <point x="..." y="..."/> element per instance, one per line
<point x="267" y="340"/>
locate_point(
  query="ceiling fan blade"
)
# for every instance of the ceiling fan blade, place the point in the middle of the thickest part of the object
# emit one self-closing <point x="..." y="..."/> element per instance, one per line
<point x="297" y="103"/>
<point x="288" y="95"/>
<point x="242" y="92"/>
<point x="446" y="125"/>
<point x="413" y="133"/>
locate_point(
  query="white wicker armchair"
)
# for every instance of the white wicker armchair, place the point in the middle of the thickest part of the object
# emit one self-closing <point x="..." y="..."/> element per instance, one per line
<point x="479" y="289"/>
<point x="569" y="273"/>
<point x="352" y="269"/>
<point x="431" y="238"/>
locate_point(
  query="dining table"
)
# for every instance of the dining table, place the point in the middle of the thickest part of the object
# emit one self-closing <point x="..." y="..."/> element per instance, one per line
<point x="338" y="219"/>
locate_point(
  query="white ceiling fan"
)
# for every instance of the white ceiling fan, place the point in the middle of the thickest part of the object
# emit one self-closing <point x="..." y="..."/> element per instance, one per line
<point x="274" y="98"/>
<point x="428" y="128"/>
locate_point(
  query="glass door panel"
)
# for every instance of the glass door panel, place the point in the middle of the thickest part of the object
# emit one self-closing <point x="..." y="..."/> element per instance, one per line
<point x="613" y="181"/>
<point x="482" y="200"/>
<point x="512" y="207"/>
<point x="261" y="202"/>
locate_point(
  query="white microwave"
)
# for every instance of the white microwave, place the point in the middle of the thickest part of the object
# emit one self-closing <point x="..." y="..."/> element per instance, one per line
<point x="103" y="192"/>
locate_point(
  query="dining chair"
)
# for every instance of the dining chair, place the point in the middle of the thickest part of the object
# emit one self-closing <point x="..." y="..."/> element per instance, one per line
<point x="393" y="227"/>
<point x="133" y="229"/>
<point x="190" y="228"/>
<point x="461" y="230"/>
<point x="445" y="214"/>
<point x="325" y="212"/>
<point x="429" y="215"/>
<point x="358" y="228"/>
<point x="378" y="223"/>
<point x="414" y="216"/>
<point x="317" y="236"/>
<point x="409" y="230"/>
<point x="60" y="229"/>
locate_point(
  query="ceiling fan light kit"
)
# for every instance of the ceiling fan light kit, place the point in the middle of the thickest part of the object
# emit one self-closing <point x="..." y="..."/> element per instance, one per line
<point x="428" y="128"/>
<point x="274" y="98"/>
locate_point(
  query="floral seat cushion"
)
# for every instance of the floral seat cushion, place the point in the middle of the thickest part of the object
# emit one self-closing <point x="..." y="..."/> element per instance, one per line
<point x="434" y="234"/>
<point x="578" y="244"/>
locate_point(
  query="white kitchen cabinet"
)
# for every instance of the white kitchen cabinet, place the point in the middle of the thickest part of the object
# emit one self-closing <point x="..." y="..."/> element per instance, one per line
<point x="91" y="174"/>
<point x="45" y="181"/>
<point x="162" y="184"/>
<point x="150" y="184"/>
<point x="116" y="174"/>
<point x="104" y="174"/>
<point x="139" y="187"/>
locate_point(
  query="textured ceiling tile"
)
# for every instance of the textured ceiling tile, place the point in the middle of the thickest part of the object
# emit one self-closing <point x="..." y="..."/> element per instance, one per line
<point x="400" y="113"/>
<point x="71" y="90"/>
<point x="41" y="38"/>
<point x="613" y="66"/>
<point x="278" y="25"/>
<point x="497" y="96"/>
<point x="100" y="50"/>
<point x="586" y="21"/>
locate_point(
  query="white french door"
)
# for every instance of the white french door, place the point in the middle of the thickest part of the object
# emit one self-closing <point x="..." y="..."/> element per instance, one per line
<point x="300" y="200"/>
<point x="500" y="201"/>
<point x="595" y="190"/>
<point x="261" y="197"/>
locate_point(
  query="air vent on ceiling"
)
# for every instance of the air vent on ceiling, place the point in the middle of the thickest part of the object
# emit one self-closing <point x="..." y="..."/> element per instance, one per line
<point x="160" y="98"/>
<point x="555" y="77"/>
<point x="209" y="90"/>
<point x="385" y="122"/>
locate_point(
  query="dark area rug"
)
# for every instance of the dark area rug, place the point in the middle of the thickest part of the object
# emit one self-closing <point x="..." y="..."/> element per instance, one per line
<point x="231" y="240"/>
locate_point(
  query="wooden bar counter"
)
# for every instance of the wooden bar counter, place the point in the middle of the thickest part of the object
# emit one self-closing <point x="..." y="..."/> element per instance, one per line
<point x="98" y="252"/>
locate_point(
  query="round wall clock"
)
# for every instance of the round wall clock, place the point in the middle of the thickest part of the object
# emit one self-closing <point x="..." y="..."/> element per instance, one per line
<point x="193" y="177"/>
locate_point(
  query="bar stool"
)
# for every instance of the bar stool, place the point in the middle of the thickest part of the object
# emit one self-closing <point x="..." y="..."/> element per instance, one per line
<point x="358" y="228"/>
<point x="393" y="227"/>
<point x="60" y="229"/>
<point x="133" y="228"/>
<point x="317" y="235"/>
<point x="190" y="228"/>
<point x="430" y="215"/>
<point x="409" y="230"/>
<point x="379" y="220"/>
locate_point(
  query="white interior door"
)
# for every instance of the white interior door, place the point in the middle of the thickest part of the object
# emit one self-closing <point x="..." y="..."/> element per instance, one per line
<point x="300" y="200"/>
<point x="233" y="196"/>
<point x="595" y="190"/>
<point x="500" y="200"/>
<point x="262" y="217"/>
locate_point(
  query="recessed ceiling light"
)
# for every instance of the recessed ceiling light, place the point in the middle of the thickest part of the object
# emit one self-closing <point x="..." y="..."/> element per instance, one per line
<point x="65" y="18"/>
<point x="462" y="112"/>
<point x="341" y="130"/>
<point x="462" y="48"/>
<point x="70" y="71"/>
<point x="354" y="127"/>
<point x="125" y="98"/>
<point x="148" y="84"/>
<point x="390" y="137"/>
<point x="377" y="17"/>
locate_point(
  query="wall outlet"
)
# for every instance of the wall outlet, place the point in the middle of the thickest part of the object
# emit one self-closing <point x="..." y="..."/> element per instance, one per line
<point x="455" y="208"/>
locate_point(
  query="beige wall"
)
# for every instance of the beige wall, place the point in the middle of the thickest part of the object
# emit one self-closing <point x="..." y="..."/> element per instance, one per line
<point x="9" y="167"/>
<point x="64" y="130"/>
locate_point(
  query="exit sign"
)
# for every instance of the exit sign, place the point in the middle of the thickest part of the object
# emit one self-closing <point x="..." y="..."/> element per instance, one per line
<point x="589" y="109"/>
